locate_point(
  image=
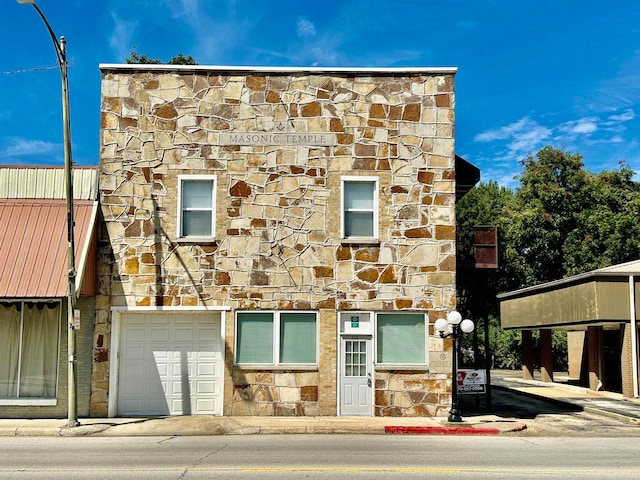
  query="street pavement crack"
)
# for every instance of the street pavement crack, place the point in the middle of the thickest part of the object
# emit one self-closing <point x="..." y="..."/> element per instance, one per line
<point x="199" y="462"/>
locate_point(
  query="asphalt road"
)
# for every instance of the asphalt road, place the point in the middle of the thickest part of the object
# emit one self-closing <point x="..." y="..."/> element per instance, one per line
<point x="318" y="457"/>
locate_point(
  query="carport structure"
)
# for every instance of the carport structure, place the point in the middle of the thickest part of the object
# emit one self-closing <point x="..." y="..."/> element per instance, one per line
<point x="599" y="310"/>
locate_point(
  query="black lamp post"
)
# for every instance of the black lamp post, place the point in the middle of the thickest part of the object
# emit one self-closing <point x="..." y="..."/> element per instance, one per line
<point x="61" y="53"/>
<point x="456" y="327"/>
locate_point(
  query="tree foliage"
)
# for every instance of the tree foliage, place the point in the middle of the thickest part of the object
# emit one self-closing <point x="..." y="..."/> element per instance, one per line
<point x="553" y="189"/>
<point x="179" y="59"/>
<point x="561" y="220"/>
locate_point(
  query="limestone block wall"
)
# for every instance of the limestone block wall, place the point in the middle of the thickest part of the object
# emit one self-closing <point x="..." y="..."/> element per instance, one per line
<point x="277" y="242"/>
<point x="280" y="393"/>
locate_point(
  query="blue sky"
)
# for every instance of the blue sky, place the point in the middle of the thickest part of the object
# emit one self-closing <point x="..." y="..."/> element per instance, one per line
<point x="531" y="73"/>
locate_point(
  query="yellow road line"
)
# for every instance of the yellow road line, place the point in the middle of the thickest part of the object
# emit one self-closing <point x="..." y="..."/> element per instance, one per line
<point x="329" y="469"/>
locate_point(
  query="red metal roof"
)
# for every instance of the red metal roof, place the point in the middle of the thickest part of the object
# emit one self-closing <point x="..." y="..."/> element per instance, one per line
<point x="33" y="246"/>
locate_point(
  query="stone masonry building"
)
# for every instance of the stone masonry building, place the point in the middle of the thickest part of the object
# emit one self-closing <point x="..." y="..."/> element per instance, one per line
<point x="276" y="241"/>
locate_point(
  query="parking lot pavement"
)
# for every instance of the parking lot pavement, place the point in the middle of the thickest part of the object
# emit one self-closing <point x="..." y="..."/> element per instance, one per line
<point x="556" y="409"/>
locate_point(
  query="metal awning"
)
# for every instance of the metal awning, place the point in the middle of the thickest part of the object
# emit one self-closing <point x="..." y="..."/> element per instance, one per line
<point x="467" y="176"/>
<point x="33" y="247"/>
<point x="602" y="297"/>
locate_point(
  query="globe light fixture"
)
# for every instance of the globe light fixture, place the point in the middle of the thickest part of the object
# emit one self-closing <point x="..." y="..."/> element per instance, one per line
<point x="453" y="327"/>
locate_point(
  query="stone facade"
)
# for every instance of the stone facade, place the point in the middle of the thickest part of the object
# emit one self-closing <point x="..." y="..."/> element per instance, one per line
<point x="277" y="241"/>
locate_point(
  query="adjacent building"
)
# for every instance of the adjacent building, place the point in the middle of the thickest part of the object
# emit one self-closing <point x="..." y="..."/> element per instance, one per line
<point x="599" y="310"/>
<point x="34" y="289"/>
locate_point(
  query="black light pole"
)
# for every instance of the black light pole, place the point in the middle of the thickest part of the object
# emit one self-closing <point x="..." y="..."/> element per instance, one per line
<point x="60" y="47"/>
<point x="456" y="327"/>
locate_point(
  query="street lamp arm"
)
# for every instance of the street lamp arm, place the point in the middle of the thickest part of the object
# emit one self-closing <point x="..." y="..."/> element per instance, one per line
<point x="62" y="58"/>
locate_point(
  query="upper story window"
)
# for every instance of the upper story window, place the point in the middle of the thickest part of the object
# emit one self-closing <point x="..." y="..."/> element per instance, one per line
<point x="196" y="206"/>
<point x="359" y="215"/>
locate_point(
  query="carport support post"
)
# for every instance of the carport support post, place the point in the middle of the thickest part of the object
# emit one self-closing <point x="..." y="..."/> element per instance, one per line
<point x="546" y="356"/>
<point x="527" y="355"/>
<point x="626" y="361"/>
<point x="595" y="353"/>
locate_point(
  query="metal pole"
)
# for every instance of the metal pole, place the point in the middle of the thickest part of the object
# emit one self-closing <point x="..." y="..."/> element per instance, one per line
<point x="634" y="334"/>
<point x="60" y="47"/>
<point x="454" y="413"/>
<point x="72" y="380"/>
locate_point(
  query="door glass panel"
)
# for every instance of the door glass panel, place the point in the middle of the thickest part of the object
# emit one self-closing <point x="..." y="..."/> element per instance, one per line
<point x="355" y="360"/>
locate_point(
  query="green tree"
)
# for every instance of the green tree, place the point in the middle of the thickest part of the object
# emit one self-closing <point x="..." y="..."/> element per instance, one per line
<point x="179" y="59"/>
<point x="562" y="220"/>
<point x="553" y="189"/>
<point x="487" y="204"/>
<point x="608" y="227"/>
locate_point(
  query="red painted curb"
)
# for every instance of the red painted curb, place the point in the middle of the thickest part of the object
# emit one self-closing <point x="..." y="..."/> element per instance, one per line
<point x="441" y="431"/>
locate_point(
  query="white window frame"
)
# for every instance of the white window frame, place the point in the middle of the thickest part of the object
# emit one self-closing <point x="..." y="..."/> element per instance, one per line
<point x="190" y="178"/>
<point x="276" y="341"/>
<point x="387" y="365"/>
<point x="376" y="205"/>
<point x="35" y="401"/>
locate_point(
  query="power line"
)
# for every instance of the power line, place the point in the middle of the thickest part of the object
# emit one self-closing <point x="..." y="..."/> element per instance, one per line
<point x="35" y="69"/>
<point x="27" y="70"/>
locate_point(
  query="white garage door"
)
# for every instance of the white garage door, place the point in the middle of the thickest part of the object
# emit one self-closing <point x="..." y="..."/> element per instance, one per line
<point x="170" y="364"/>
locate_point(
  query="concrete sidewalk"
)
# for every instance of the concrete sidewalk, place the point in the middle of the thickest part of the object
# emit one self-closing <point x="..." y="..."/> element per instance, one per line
<point x="212" y="425"/>
<point x="561" y="391"/>
<point x="479" y="424"/>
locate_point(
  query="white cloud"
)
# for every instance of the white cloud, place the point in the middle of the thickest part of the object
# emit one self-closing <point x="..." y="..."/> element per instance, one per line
<point x="121" y="37"/>
<point x="18" y="147"/>
<point x="596" y="138"/>
<point x="625" y="116"/>
<point x="522" y="136"/>
<point x="305" y="28"/>
<point x="581" y="126"/>
<point x="621" y="90"/>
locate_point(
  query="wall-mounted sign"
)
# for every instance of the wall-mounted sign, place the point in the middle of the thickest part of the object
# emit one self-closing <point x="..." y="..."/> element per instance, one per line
<point x="355" y="322"/>
<point x="278" y="138"/>
<point x="440" y="361"/>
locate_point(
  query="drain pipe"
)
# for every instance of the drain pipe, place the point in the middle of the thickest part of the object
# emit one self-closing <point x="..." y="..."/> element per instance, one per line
<point x="634" y="334"/>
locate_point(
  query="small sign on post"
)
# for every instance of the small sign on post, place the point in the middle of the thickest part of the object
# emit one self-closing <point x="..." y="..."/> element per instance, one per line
<point x="76" y="319"/>
<point x="471" y="382"/>
<point x="485" y="247"/>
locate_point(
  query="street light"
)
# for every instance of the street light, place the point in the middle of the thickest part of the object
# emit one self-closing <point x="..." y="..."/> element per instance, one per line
<point x="456" y="327"/>
<point x="60" y="47"/>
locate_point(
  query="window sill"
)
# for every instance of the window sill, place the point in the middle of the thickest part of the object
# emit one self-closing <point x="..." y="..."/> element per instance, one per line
<point x="388" y="367"/>
<point x="360" y="241"/>
<point x="200" y="240"/>
<point x="29" y="402"/>
<point x="281" y="368"/>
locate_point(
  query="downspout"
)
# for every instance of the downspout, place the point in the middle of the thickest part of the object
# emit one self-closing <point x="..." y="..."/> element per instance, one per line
<point x="634" y="334"/>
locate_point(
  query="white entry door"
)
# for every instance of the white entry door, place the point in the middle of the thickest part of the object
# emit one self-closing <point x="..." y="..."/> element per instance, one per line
<point x="356" y="375"/>
<point x="170" y="364"/>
